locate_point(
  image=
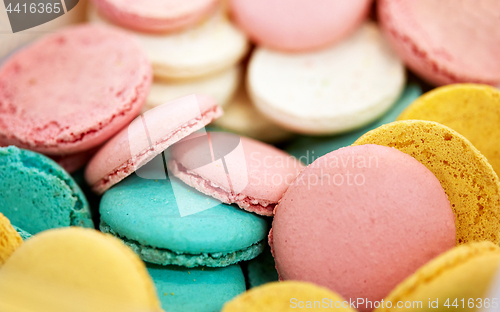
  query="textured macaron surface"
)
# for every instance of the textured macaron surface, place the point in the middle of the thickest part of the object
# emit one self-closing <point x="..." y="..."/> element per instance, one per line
<point x="37" y="194"/>
<point x="378" y="215"/>
<point x="72" y="89"/>
<point x="10" y="240"/>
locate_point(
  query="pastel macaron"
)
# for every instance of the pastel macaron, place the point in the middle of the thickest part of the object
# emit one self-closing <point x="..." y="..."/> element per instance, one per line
<point x="470" y="182"/>
<point x="298" y="25"/>
<point x="147" y="136"/>
<point x="434" y="38"/>
<point x="196" y="289"/>
<point x="72" y="90"/>
<point x="155" y="16"/>
<point x="381" y="213"/>
<point x="470" y="109"/>
<point x="458" y="279"/>
<point x="286" y="296"/>
<point x="37" y="194"/>
<point x="166" y="222"/>
<point x="246" y="172"/>
<point x="334" y="90"/>
<point x="10" y="240"/>
<point x="75" y="269"/>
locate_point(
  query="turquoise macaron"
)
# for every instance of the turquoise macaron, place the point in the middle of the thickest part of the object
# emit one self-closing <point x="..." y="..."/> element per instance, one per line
<point x="196" y="289"/>
<point x="307" y="148"/>
<point x="37" y="194"/>
<point x="146" y="215"/>
<point x="262" y="269"/>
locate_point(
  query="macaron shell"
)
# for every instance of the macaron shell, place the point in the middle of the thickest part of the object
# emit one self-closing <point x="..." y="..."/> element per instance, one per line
<point x="10" y="240"/>
<point x="277" y="297"/>
<point x="471" y="110"/>
<point x="330" y="91"/>
<point x="75" y="269"/>
<point x="470" y="182"/>
<point x="298" y="25"/>
<point x="64" y="105"/>
<point x="434" y="38"/>
<point x="463" y="272"/>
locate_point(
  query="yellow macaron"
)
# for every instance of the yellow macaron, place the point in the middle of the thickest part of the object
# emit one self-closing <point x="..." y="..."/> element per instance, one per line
<point x="10" y="240"/>
<point x="473" y="110"/>
<point x="457" y="280"/>
<point x="75" y="269"/>
<point x="472" y="186"/>
<point x="287" y="296"/>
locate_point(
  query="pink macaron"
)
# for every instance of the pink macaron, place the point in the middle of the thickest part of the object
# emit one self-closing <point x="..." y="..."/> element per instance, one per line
<point x="445" y="41"/>
<point x="148" y="136"/>
<point x="155" y="15"/>
<point x="72" y="90"/>
<point x="235" y="169"/>
<point x="360" y="220"/>
<point x="298" y="25"/>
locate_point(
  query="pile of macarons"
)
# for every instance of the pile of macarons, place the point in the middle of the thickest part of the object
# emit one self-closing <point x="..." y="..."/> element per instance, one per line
<point x="264" y="155"/>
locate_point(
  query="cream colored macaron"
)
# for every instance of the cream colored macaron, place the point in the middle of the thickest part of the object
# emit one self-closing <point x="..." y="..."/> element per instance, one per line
<point x="329" y="91"/>
<point x="202" y="50"/>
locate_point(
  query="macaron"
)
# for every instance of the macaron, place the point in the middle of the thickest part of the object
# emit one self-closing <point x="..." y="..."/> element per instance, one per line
<point x="221" y="87"/>
<point x="241" y="117"/>
<point x="298" y="25"/>
<point x="470" y="182"/>
<point x="155" y="16"/>
<point x="262" y="270"/>
<point x="178" y="55"/>
<point x="434" y="38"/>
<point x="10" y="240"/>
<point x="147" y="136"/>
<point x="75" y="269"/>
<point x="73" y="162"/>
<point x="285" y="296"/>
<point x="334" y="90"/>
<point x="63" y="105"/>
<point x="470" y="109"/>
<point x="243" y="171"/>
<point x="458" y="279"/>
<point x="309" y="148"/>
<point x="37" y="194"/>
<point x="196" y="289"/>
<point x="377" y="215"/>
<point x="166" y="222"/>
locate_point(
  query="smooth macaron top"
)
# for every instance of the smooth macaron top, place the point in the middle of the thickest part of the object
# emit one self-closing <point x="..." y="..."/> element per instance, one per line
<point x="72" y="89"/>
<point x="434" y="38"/>
<point x="381" y="213"/>
<point x="151" y="213"/>
<point x="37" y="194"/>
<point x="298" y="25"/>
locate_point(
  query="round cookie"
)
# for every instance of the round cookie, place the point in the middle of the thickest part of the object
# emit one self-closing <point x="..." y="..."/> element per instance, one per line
<point x="177" y="56"/>
<point x="329" y="91"/>
<point x="285" y="296"/>
<point x="471" y="110"/>
<point x="298" y="25"/>
<point x="381" y="213"/>
<point x="452" y="278"/>
<point x="196" y="289"/>
<point x="75" y="269"/>
<point x="251" y="174"/>
<point x="155" y="16"/>
<point x="37" y="194"/>
<point x="309" y="148"/>
<point x="434" y="38"/>
<point x="156" y="219"/>
<point x="147" y="136"/>
<point x="470" y="182"/>
<point x="10" y="240"/>
<point x="63" y="105"/>
<point x="221" y="87"/>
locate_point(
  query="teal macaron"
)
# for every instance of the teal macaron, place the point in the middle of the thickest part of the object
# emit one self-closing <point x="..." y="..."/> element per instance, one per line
<point x="307" y="148"/>
<point x="262" y="269"/>
<point x="146" y="214"/>
<point x="196" y="289"/>
<point x="37" y="194"/>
